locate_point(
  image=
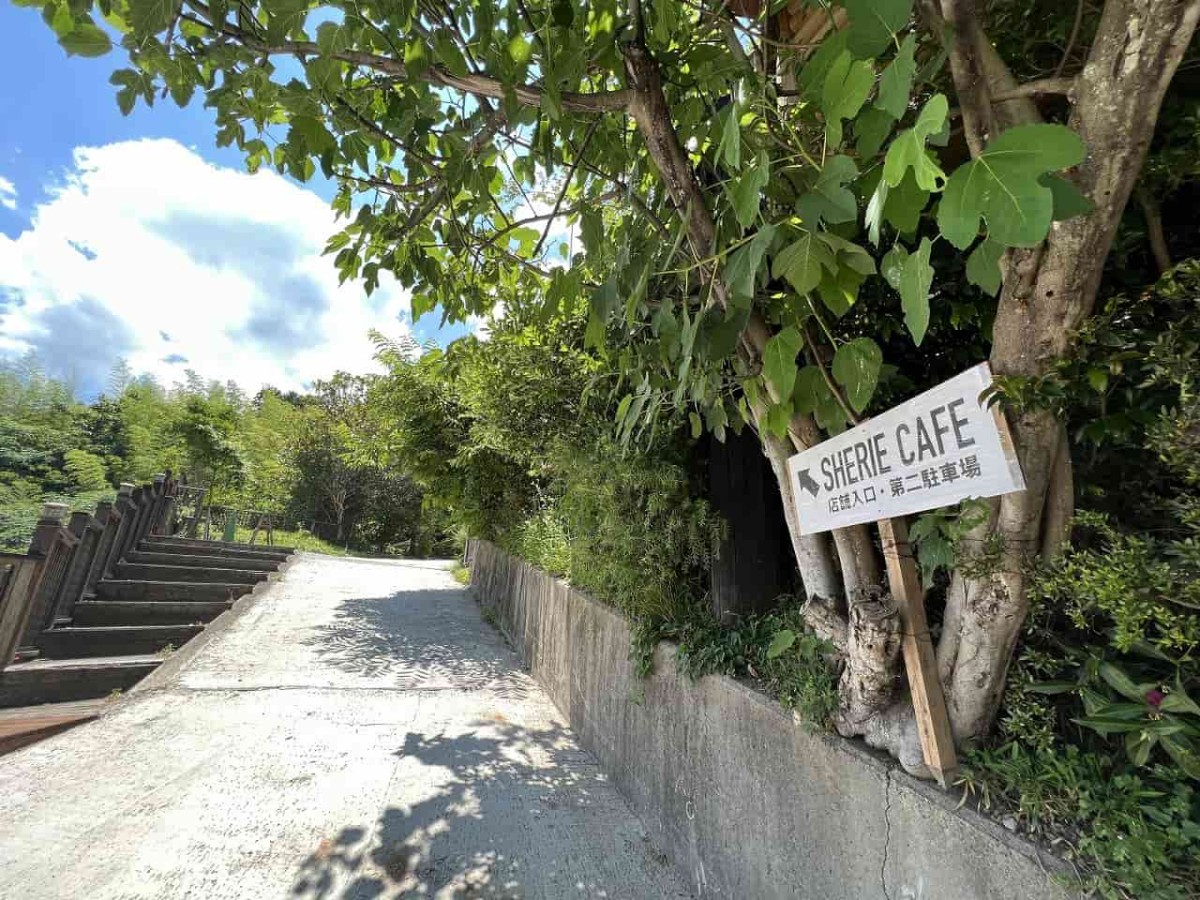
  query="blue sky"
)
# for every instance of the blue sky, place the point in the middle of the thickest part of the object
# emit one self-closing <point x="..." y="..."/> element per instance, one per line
<point x="137" y="237"/>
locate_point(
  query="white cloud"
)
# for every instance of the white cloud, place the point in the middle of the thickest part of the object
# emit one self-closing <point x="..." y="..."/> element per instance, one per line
<point x="148" y="252"/>
<point x="8" y="193"/>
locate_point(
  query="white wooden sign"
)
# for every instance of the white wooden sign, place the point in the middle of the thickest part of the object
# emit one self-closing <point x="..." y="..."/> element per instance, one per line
<point x="937" y="449"/>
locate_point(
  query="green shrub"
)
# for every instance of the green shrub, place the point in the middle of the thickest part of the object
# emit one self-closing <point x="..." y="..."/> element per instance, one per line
<point x="776" y="650"/>
<point x="635" y="532"/>
<point x="86" y="470"/>
<point x="1135" y="834"/>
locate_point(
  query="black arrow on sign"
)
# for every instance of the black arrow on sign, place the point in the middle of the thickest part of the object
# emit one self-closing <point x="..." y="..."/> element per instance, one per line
<point x="806" y="482"/>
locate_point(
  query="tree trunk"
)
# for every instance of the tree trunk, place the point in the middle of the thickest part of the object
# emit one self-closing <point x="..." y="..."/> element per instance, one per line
<point x="861" y="691"/>
<point x="1047" y="294"/>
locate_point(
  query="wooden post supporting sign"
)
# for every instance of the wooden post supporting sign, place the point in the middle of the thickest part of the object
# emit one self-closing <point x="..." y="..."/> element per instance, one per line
<point x="920" y="662"/>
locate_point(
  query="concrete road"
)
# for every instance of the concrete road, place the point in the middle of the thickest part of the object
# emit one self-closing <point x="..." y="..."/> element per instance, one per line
<point x="356" y="731"/>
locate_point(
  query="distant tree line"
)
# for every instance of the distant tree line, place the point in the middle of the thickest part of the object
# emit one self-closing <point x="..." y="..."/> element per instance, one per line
<point x="296" y="457"/>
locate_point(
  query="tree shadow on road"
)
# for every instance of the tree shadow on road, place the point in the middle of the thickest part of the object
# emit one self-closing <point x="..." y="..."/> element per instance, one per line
<point x="504" y="811"/>
<point x="421" y="639"/>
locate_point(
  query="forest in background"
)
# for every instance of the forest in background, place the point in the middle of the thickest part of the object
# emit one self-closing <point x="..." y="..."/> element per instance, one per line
<point x="303" y="459"/>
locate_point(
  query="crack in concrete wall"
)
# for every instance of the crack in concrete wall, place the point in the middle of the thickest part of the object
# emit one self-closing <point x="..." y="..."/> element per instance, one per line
<point x="887" y="834"/>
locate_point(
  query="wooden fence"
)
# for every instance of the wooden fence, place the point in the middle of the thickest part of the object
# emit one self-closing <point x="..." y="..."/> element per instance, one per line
<point x="67" y="556"/>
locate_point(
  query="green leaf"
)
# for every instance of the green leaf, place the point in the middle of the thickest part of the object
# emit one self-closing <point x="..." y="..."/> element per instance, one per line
<point x="905" y="203"/>
<point x="697" y="424"/>
<point x="730" y="148"/>
<point x="892" y="265"/>
<point x="604" y="301"/>
<point x="1138" y="747"/>
<point x="721" y="333"/>
<point x="839" y="290"/>
<point x="983" y="266"/>
<point x="915" y="280"/>
<point x="448" y="53"/>
<point x="147" y="17"/>
<point x="1183" y="752"/>
<point x="809" y="385"/>
<point x="813" y="397"/>
<point x="332" y="37"/>
<point x="591" y="229"/>
<point x="742" y="268"/>
<point x="1121" y="682"/>
<point x="312" y="134"/>
<point x="1068" y="201"/>
<point x="1098" y="379"/>
<point x="285" y="17"/>
<point x="746" y="193"/>
<point x="416" y="57"/>
<point x="871" y="129"/>
<point x="896" y="81"/>
<point x="779" y="416"/>
<point x="780" y="643"/>
<point x="520" y="49"/>
<point x="1106" y="725"/>
<point x="1003" y="187"/>
<point x="856" y="366"/>
<point x="779" y="360"/>
<point x="324" y="74"/>
<point x="623" y="408"/>
<point x="85" y="40"/>
<point x="849" y="253"/>
<point x="908" y="149"/>
<point x="873" y="23"/>
<point x="802" y="262"/>
<point x="1053" y="687"/>
<point x="845" y="90"/>
<point x="828" y="199"/>
<point x="812" y="74"/>
<point x="1179" y="702"/>
<point x="874" y="217"/>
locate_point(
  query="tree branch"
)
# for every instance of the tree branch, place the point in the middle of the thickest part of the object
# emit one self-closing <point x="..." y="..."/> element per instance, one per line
<point x="979" y="122"/>
<point x="1062" y="63"/>
<point x="587" y="138"/>
<point x="478" y="85"/>
<point x="1154" y="228"/>
<point x="829" y="382"/>
<point x="1065" y="86"/>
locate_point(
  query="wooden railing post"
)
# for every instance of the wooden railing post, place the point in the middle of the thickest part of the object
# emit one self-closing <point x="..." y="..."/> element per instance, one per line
<point x="146" y="507"/>
<point x="56" y="545"/>
<point x="109" y="519"/>
<point x="151" y="494"/>
<point x="86" y="529"/>
<point x="19" y="576"/>
<point x="125" y="509"/>
<point x="166" y="510"/>
<point x="136" y="517"/>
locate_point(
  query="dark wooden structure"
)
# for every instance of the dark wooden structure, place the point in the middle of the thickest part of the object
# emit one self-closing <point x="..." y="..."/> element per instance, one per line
<point x="754" y="563"/>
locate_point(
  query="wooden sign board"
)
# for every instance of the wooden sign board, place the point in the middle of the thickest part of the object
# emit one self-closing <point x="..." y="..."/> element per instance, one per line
<point x="938" y="448"/>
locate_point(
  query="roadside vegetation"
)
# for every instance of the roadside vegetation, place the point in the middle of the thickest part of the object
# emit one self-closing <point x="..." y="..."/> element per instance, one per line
<point x="682" y="220"/>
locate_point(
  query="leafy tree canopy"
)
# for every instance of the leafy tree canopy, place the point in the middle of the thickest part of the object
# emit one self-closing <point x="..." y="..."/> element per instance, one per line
<point x="515" y="153"/>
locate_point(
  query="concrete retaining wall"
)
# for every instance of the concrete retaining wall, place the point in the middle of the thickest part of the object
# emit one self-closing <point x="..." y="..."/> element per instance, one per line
<point x="745" y="799"/>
